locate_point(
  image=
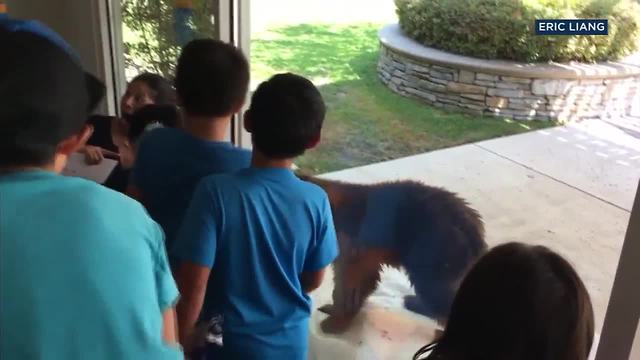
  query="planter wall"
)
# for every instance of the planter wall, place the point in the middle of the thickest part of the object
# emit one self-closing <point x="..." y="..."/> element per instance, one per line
<point x="563" y="92"/>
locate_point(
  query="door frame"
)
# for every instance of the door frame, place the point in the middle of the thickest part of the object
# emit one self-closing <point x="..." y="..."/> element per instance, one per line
<point x="241" y="137"/>
<point x="228" y="29"/>
<point x="623" y="311"/>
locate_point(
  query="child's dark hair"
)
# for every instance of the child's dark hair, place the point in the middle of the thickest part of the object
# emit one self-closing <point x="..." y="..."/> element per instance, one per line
<point x="212" y="78"/>
<point x="165" y="115"/>
<point x="163" y="91"/>
<point x="286" y="116"/>
<point x="45" y="97"/>
<point x="518" y="302"/>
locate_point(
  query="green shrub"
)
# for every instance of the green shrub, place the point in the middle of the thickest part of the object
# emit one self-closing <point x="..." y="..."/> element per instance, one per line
<point x="505" y="29"/>
<point x="149" y="39"/>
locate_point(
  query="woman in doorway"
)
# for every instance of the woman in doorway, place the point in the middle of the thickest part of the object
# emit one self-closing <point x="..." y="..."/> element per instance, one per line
<point x="518" y="302"/>
<point x="144" y="89"/>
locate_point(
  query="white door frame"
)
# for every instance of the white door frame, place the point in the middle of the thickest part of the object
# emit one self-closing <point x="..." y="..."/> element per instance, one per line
<point x="623" y="311"/>
<point x="241" y="137"/>
<point x="115" y="51"/>
<point x="226" y="27"/>
<point x="235" y="28"/>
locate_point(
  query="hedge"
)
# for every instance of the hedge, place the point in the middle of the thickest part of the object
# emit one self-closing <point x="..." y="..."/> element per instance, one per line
<point x="505" y="29"/>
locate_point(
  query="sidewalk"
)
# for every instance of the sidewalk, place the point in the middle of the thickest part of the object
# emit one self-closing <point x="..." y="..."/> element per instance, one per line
<point x="570" y="188"/>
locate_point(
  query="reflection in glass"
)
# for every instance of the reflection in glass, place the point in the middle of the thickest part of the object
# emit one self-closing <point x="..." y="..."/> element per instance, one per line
<point x="155" y="30"/>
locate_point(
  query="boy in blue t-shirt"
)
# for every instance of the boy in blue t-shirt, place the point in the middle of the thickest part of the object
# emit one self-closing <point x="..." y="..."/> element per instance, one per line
<point x="211" y="82"/>
<point x="255" y="242"/>
<point x="83" y="270"/>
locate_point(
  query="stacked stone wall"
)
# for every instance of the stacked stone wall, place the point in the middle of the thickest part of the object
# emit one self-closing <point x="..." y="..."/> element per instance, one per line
<point x="519" y="98"/>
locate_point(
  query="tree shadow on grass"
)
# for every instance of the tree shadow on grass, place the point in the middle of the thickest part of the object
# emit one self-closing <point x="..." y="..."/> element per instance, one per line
<point x="366" y="122"/>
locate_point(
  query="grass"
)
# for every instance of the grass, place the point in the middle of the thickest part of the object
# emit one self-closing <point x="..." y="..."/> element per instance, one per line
<point x="365" y="122"/>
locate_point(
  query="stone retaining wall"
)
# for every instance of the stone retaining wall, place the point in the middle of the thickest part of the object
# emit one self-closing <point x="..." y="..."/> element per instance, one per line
<point x="520" y="98"/>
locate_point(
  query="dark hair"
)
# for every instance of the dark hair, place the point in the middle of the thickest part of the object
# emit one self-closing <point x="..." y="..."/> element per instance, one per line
<point x="45" y="97"/>
<point x="165" y="115"/>
<point x="163" y="91"/>
<point x="518" y="302"/>
<point x="286" y="115"/>
<point x="212" y="78"/>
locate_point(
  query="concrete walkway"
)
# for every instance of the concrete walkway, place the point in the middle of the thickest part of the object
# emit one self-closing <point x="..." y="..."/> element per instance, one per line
<point x="570" y="188"/>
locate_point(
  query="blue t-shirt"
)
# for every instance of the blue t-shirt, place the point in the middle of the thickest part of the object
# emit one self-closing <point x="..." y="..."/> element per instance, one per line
<point x="259" y="230"/>
<point x="83" y="272"/>
<point x="169" y="165"/>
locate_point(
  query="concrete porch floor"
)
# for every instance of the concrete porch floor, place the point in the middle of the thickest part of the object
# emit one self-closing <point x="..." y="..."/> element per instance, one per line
<point x="570" y="188"/>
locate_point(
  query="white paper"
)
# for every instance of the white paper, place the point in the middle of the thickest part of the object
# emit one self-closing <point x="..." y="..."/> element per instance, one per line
<point x="76" y="166"/>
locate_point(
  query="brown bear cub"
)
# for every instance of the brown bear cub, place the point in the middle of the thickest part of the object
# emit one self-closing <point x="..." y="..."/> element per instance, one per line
<point x="433" y="234"/>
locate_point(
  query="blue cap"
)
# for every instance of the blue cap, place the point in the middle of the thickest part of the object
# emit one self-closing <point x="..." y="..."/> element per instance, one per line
<point x="37" y="28"/>
<point x="42" y="83"/>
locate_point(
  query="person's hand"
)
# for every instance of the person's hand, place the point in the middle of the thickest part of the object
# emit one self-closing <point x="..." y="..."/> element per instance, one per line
<point x="93" y="155"/>
<point x="107" y="154"/>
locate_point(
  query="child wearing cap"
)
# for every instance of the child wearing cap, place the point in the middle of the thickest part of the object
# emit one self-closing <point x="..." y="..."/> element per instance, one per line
<point x="257" y="241"/>
<point x="211" y="82"/>
<point x="83" y="270"/>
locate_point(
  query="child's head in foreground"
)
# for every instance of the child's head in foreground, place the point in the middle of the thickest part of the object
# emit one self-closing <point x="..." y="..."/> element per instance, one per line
<point x="285" y="117"/>
<point x="128" y="131"/>
<point x="45" y="97"/>
<point x="519" y="302"/>
<point x="212" y="79"/>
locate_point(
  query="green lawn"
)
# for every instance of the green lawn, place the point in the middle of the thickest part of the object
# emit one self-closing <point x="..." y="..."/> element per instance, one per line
<point x="366" y="122"/>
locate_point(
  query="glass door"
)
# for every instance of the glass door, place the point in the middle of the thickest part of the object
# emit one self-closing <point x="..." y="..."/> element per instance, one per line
<point x="154" y="31"/>
<point x="147" y="35"/>
<point x="372" y="134"/>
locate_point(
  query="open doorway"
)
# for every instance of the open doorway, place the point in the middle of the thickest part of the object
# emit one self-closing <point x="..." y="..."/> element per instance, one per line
<point x="336" y="45"/>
